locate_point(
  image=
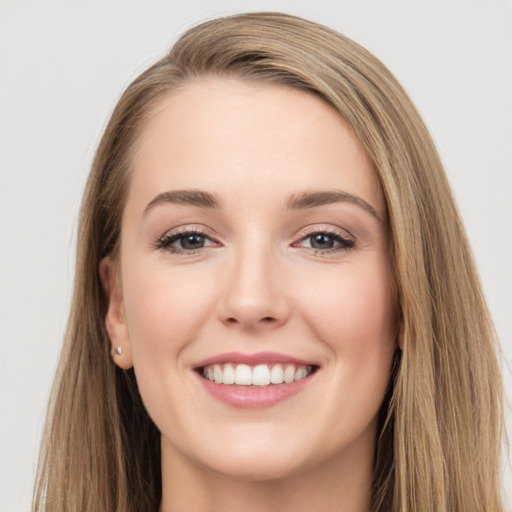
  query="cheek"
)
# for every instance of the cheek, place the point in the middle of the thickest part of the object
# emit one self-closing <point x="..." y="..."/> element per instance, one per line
<point x="164" y="307"/>
<point x="354" y="308"/>
<point x="356" y="319"/>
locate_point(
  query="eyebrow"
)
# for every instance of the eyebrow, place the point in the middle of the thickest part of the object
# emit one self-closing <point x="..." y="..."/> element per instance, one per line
<point x="301" y="201"/>
<point x="320" y="198"/>
<point x="187" y="197"/>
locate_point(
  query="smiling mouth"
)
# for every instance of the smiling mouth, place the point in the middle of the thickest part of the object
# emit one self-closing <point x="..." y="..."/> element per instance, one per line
<point x="260" y="375"/>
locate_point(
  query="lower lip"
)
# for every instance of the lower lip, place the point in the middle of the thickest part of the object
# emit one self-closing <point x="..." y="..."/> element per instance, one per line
<point x="254" y="397"/>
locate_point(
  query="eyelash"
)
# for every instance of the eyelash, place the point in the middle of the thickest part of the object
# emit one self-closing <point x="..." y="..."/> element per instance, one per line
<point x="166" y="242"/>
<point x="345" y="243"/>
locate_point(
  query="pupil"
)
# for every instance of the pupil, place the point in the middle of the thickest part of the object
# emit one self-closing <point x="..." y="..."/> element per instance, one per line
<point x="322" y="241"/>
<point x="192" y="242"/>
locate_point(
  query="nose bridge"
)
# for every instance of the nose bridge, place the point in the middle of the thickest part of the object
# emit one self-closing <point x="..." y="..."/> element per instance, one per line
<point x="253" y="294"/>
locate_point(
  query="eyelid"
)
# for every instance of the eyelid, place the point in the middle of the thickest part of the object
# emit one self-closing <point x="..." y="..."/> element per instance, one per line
<point x="164" y="241"/>
<point x="345" y="242"/>
<point x="329" y="229"/>
<point x="343" y="238"/>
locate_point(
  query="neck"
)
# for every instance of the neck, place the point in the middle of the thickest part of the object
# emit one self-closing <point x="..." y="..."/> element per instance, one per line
<point x="340" y="484"/>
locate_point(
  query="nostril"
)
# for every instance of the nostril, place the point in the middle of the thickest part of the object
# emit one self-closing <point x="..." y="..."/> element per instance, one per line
<point x="264" y="320"/>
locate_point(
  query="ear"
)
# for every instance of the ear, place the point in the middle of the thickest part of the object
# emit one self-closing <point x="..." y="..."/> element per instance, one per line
<point x="115" y="321"/>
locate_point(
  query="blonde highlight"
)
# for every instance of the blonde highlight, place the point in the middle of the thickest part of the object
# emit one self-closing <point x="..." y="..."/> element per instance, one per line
<point x="440" y="427"/>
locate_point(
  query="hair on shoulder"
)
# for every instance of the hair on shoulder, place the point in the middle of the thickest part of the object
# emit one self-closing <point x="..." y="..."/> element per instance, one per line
<point x="440" y="427"/>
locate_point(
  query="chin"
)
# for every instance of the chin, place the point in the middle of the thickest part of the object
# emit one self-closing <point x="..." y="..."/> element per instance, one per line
<point x="257" y="467"/>
<point x="259" y="457"/>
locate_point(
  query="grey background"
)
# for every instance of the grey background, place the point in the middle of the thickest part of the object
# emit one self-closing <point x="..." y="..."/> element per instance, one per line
<point x="63" y="65"/>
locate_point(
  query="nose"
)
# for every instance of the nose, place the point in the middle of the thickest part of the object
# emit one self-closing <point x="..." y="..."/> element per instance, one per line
<point x="254" y="296"/>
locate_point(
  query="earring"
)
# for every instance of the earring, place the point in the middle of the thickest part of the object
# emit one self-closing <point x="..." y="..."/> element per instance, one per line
<point x="118" y="351"/>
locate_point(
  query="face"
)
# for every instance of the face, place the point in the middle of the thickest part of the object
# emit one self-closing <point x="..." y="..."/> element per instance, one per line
<point x="253" y="297"/>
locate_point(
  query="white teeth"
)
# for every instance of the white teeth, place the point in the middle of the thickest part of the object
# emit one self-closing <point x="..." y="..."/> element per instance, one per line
<point x="229" y="374"/>
<point x="217" y="373"/>
<point x="300" y="373"/>
<point x="259" y="375"/>
<point x="276" y="374"/>
<point x="289" y="373"/>
<point x="243" y="375"/>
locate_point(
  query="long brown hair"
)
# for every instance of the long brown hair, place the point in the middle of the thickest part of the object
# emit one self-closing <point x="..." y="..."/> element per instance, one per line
<point x="440" y="430"/>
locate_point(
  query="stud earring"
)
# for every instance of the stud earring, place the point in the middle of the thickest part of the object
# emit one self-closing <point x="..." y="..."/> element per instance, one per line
<point x="118" y="351"/>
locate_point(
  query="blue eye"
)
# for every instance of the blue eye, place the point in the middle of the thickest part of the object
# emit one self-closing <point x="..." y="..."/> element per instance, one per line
<point x="192" y="241"/>
<point x="321" y="241"/>
<point x="326" y="241"/>
<point x="184" y="242"/>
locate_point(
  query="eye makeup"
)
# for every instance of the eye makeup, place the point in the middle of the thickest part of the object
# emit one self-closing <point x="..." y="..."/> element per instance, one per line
<point x="192" y="240"/>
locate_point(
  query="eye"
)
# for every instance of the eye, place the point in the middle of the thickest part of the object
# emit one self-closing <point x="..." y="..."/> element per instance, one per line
<point x="185" y="242"/>
<point x="192" y="241"/>
<point x="323" y="241"/>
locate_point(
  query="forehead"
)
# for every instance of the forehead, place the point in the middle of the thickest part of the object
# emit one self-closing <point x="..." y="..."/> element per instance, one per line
<point x="225" y="135"/>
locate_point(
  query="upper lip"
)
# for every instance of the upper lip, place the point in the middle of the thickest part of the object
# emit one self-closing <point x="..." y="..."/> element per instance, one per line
<point x="252" y="359"/>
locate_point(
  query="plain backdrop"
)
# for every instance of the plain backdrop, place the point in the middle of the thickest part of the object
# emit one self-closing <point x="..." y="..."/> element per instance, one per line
<point x="63" y="64"/>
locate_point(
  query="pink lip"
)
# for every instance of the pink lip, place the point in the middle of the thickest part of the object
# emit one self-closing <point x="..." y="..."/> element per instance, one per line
<point x="254" y="397"/>
<point x="252" y="359"/>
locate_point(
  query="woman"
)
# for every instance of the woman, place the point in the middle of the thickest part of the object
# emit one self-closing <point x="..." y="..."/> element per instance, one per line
<point x="275" y="303"/>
